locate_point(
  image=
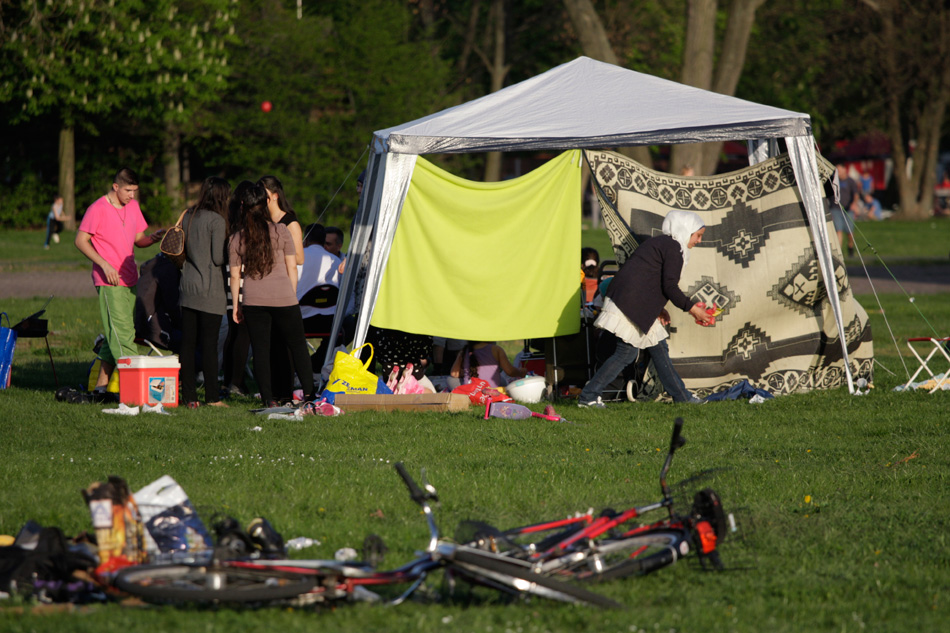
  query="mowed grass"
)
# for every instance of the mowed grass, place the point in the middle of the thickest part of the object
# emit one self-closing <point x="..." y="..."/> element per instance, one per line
<point x="848" y="495"/>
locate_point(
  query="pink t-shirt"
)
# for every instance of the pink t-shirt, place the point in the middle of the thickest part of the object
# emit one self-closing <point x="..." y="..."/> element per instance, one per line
<point x="113" y="234"/>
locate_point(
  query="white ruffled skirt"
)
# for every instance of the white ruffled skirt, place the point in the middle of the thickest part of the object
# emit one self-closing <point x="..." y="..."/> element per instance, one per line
<point x="613" y="320"/>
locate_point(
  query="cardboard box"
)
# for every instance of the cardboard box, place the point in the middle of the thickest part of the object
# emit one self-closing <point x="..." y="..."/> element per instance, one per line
<point x="148" y="380"/>
<point x="405" y="402"/>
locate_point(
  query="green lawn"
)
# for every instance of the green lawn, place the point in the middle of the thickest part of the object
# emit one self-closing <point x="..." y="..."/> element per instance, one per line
<point x="848" y="494"/>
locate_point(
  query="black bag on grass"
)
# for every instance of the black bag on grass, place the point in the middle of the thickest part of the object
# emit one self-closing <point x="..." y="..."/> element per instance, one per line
<point x="39" y="554"/>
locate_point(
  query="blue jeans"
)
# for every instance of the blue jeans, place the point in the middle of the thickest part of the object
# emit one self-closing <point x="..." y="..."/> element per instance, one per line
<point x="50" y="221"/>
<point x="626" y="354"/>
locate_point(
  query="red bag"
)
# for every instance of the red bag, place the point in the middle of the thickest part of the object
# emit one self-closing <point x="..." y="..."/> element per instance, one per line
<point x="481" y="393"/>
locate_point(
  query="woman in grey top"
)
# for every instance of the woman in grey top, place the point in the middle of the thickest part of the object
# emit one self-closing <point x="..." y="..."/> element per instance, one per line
<point x="203" y="300"/>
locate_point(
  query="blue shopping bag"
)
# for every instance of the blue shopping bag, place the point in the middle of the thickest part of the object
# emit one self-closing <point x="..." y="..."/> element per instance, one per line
<point x="7" y="345"/>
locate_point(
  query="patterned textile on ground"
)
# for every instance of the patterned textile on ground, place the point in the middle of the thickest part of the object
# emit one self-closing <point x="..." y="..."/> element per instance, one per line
<point x="756" y="262"/>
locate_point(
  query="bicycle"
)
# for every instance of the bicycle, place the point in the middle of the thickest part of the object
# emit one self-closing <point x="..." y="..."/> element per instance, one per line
<point x="597" y="548"/>
<point x="244" y="581"/>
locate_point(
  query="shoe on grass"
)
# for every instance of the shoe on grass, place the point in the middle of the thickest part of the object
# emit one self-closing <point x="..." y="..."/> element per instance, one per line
<point x="593" y="404"/>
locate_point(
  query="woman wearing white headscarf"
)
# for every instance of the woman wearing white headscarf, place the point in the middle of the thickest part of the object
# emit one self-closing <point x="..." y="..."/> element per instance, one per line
<point x="635" y="311"/>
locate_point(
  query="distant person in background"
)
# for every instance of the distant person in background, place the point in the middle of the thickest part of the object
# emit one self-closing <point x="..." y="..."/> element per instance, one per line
<point x="110" y="228"/>
<point x="203" y="300"/>
<point x="334" y="241"/>
<point x="871" y="207"/>
<point x="54" y="222"/>
<point x="843" y="215"/>
<point x="867" y="183"/>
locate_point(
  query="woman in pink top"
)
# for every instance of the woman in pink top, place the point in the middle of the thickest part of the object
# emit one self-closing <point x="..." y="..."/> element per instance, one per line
<point x="485" y="360"/>
<point x="266" y="252"/>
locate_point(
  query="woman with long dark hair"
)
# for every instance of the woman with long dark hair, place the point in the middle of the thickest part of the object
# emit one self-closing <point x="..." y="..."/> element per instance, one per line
<point x="238" y="343"/>
<point x="202" y="288"/>
<point x="281" y="212"/>
<point x="266" y="251"/>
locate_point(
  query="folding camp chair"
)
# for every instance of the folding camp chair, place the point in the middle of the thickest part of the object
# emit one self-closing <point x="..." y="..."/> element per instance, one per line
<point x="322" y="296"/>
<point x="939" y="345"/>
<point x="35" y="327"/>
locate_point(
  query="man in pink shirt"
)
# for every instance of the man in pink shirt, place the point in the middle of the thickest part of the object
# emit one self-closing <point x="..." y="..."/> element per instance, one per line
<point x="110" y="227"/>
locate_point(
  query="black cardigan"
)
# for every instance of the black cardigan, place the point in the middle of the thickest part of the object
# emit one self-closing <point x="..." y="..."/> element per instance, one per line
<point x="648" y="280"/>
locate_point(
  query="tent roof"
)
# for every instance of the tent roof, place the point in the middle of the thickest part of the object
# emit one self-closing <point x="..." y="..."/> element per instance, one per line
<point x="587" y="103"/>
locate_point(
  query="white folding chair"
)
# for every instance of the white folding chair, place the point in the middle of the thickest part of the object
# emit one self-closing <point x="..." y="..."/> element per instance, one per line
<point x="939" y="345"/>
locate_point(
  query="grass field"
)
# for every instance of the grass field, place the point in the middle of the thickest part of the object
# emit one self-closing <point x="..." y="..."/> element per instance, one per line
<point x="848" y="495"/>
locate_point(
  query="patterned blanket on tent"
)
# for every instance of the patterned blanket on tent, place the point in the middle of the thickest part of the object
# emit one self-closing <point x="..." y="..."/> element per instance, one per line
<point x="756" y="262"/>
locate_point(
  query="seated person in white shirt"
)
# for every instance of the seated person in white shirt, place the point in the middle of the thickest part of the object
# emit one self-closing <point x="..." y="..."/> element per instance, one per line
<point x="319" y="281"/>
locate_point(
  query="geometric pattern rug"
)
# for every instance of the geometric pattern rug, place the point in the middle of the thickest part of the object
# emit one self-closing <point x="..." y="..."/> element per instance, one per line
<point x="756" y="262"/>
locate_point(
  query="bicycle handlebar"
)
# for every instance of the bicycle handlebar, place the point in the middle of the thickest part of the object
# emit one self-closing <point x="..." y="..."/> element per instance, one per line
<point x="418" y="494"/>
<point x="677" y="441"/>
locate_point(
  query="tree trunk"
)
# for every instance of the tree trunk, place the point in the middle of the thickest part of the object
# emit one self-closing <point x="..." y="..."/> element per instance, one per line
<point x="67" y="173"/>
<point x="729" y="67"/>
<point x="914" y="172"/>
<point x="697" y="72"/>
<point x="498" y="70"/>
<point x="470" y="33"/>
<point x="171" y="150"/>
<point x="700" y="70"/>
<point x="596" y="45"/>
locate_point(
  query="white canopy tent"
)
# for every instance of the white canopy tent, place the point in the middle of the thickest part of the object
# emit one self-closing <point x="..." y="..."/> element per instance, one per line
<point x="577" y="105"/>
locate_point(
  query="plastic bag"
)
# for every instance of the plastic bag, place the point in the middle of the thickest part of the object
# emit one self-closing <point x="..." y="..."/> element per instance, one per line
<point x="118" y="525"/>
<point x="350" y="375"/>
<point x="170" y="519"/>
<point x="480" y="392"/>
<point x="7" y="346"/>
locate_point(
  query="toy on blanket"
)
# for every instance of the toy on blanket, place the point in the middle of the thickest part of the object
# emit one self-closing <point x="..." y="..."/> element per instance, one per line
<point x="513" y="411"/>
<point x="406" y="383"/>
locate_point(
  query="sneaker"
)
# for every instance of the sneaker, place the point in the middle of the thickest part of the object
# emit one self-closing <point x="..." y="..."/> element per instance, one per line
<point x="593" y="404"/>
<point x="55" y="238"/>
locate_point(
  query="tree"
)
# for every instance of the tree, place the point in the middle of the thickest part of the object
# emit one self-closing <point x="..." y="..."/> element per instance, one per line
<point x="594" y="41"/>
<point x="62" y="59"/>
<point x="702" y="68"/>
<point x="181" y="66"/>
<point x="907" y="41"/>
<point x="339" y="72"/>
<point x="87" y="60"/>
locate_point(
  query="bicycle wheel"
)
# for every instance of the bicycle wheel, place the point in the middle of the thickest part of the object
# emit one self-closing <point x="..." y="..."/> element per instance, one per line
<point x="515" y="576"/>
<point x="210" y="584"/>
<point x="637" y="555"/>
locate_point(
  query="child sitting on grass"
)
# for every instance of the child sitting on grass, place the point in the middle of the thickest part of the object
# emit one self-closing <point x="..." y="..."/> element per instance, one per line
<point x="485" y="360"/>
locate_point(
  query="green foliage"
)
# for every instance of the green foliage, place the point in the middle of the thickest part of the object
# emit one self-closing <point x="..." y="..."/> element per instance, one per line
<point x="26" y="203"/>
<point x="331" y="82"/>
<point x="64" y="58"/>
<point x="180" y="53"/>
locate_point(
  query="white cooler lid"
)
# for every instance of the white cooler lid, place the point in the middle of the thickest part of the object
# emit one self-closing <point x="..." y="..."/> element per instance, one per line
<point x="148" y="362"/>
